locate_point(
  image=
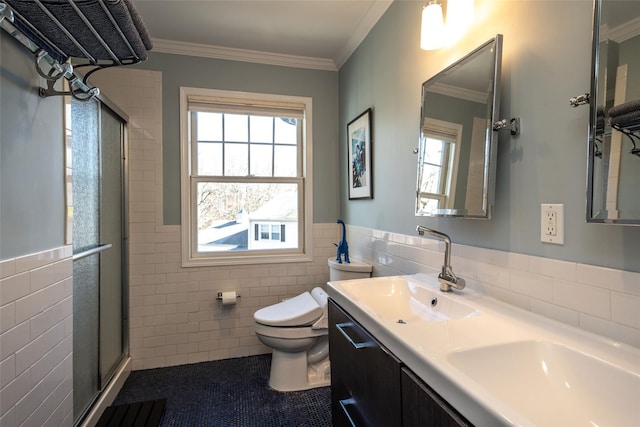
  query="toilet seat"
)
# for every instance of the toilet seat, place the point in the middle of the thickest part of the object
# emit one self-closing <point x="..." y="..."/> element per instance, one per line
<point x="288" y="332"/>
<point x="302" y="310"/>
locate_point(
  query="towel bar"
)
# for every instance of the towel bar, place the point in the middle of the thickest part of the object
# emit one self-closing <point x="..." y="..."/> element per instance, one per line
<point x="96" y="33"/>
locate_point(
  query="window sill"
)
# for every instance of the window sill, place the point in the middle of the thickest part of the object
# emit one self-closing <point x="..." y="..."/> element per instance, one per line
<point x="204" y="261"/>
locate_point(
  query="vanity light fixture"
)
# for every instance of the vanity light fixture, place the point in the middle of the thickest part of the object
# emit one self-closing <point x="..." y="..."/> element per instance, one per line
<point x="434" y="33"/>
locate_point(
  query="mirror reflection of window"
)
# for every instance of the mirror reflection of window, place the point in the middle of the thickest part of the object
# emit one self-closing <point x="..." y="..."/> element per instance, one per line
<point x="439" y="165"/>
<point x="434" y="191"/>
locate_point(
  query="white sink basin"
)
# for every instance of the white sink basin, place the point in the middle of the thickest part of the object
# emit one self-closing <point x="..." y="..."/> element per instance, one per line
<point x="496" y="364"/>
<point x="553" y="385"/>
<point x="402" y="300"/>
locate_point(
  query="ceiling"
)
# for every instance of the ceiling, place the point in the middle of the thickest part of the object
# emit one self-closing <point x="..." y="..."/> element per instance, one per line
<point x="318" y="34"/>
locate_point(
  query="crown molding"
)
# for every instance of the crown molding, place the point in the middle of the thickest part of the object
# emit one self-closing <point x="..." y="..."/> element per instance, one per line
<point x="458" y="92"/>
<point x="375" y="12"/>
<point x="244" y="55"/>
<point x="622" y="32"/>
<point x="373" y="15"/>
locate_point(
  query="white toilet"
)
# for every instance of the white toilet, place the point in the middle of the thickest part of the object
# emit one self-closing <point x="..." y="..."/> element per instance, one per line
<point x="297" y="331"/>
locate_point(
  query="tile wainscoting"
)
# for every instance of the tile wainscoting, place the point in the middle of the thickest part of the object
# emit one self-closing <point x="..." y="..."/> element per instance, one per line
<point x="36" y="344"/>
<point x="598" y="299"/>
<point x="175" y="318"/>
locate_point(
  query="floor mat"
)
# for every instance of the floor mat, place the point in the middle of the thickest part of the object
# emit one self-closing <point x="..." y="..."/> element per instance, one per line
<point x="137" y="414"/>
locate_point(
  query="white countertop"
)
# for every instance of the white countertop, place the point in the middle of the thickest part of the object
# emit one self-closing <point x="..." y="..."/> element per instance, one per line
<point x="495" y="363"/>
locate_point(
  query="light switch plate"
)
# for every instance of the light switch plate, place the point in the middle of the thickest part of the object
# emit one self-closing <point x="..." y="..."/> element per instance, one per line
<point x="552" y="223"/>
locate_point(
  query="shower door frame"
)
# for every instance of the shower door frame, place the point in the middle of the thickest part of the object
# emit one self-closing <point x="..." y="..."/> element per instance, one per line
<point x="106" y="378"/>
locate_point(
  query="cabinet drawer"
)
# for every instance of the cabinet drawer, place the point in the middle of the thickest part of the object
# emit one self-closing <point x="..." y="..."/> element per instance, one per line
<point x="421" y="406"/>
<point x="365" y="376"/>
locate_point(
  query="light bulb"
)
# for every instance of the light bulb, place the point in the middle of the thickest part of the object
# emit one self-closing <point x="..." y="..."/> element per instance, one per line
<point x="432" y="32"/>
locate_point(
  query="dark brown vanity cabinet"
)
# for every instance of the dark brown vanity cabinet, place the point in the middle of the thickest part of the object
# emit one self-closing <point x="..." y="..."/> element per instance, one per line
<point x="365" y="376"/>
<point x="421" y="406"/>
<point x="370" y="387"/>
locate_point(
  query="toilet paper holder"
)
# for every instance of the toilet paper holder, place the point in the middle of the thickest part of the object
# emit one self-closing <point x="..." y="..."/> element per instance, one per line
<point x="219" y="297"/>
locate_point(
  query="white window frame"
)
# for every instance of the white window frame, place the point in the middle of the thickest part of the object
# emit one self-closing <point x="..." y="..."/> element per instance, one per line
<point x="190" y="256"/>
<point x="450" y="132"/>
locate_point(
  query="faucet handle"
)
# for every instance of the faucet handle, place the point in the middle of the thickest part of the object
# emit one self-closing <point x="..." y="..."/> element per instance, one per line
<point x="449" y="280"/>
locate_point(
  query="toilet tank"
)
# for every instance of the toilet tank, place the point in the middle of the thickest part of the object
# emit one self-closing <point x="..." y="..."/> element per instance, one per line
<point x="348" y="271"/>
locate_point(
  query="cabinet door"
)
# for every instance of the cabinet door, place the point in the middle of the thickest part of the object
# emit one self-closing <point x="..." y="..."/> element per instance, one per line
<point x="421" y="406"/>
<point x="365" y="376"/>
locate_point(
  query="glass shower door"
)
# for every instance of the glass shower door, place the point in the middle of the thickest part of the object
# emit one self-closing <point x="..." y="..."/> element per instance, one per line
<point x="111" y="232"/>
<point x="98" y="291"/>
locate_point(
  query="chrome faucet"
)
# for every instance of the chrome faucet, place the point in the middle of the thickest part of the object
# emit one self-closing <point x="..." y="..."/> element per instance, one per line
<point x="446" y="277"/>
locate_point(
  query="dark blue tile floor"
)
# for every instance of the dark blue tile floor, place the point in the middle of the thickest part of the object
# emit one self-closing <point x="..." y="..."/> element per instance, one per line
<point x="227" y="393"/>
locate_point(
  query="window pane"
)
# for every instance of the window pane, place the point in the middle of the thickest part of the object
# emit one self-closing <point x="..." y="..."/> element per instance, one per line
<point x="261" y="129"/>
<point x="428" y="204"/>
<point x="275" y="232"/>
<point x="286" y="131"/>
<point x="209" y="127"/>
<point x="264" y="232"/>
<point x="433" y="151"/>
<point x="86" y="188"/>
<point x="230" y="214"/>
<point x="236" y="160"/>
<point x="261" y="160"/>
<point x="431" y="179"/>
<point x="210" y="158"/>
<point x="236" y="127"/>
<point x="286" y="161"/>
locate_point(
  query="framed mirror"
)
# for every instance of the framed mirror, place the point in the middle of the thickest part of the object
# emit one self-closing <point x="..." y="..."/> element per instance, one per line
<point x="457" y="150"/>
<point x="614" y="131"/>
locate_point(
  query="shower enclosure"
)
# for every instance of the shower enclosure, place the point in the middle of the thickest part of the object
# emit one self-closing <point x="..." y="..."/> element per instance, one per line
<point x="100" y="313"/>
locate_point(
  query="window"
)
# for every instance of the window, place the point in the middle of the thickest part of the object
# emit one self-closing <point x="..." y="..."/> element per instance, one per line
<point x="274" y="232"/>
<point x="439" y="164"/>
<point x="246" y="185"/>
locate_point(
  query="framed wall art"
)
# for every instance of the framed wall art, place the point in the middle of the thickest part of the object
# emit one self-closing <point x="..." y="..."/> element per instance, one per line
<point x="359" y="157"/>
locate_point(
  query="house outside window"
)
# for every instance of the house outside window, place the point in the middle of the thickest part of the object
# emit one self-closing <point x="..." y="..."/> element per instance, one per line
<point x="246" y="177"/>
<point x="272" y="235"/>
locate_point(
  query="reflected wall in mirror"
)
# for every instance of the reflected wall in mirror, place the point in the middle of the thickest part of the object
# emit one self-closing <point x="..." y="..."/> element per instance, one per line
<point x="457" y="151"/>
<point x="614" y="131"/>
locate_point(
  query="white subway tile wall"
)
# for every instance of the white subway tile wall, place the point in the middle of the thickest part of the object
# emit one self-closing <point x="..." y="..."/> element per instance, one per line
<point x="174" y="315"/>
<point x="36" y="344"/>
<point x="600" y="300"/>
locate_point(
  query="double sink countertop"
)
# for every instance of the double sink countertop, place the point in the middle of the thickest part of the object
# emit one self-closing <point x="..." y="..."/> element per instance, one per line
<point x="495" y="363"/>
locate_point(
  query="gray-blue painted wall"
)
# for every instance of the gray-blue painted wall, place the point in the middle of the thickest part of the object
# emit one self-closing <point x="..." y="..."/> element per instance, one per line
<point x="322" y="86"/>
<point x="547" y="56"/>
<point x="31" y="157"/>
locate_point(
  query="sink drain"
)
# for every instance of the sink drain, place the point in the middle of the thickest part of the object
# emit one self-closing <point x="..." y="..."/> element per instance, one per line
<point x="434" y="302"/>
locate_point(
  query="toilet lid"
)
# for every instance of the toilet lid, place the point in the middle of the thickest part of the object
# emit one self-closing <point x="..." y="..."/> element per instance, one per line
<point x="301" y="310"/>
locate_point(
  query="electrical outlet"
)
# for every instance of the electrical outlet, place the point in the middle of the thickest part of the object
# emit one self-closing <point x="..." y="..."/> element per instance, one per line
<point x="551" y="218"/>
<point x="552" y="223"/>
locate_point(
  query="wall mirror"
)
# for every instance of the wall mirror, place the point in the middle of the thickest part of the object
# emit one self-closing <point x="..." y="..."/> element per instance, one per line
<point x="457" y="150"/>
<point x="614" y="131"/>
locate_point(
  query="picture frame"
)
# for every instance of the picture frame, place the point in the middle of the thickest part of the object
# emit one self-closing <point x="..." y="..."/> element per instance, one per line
<point x="359" y="154"/>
